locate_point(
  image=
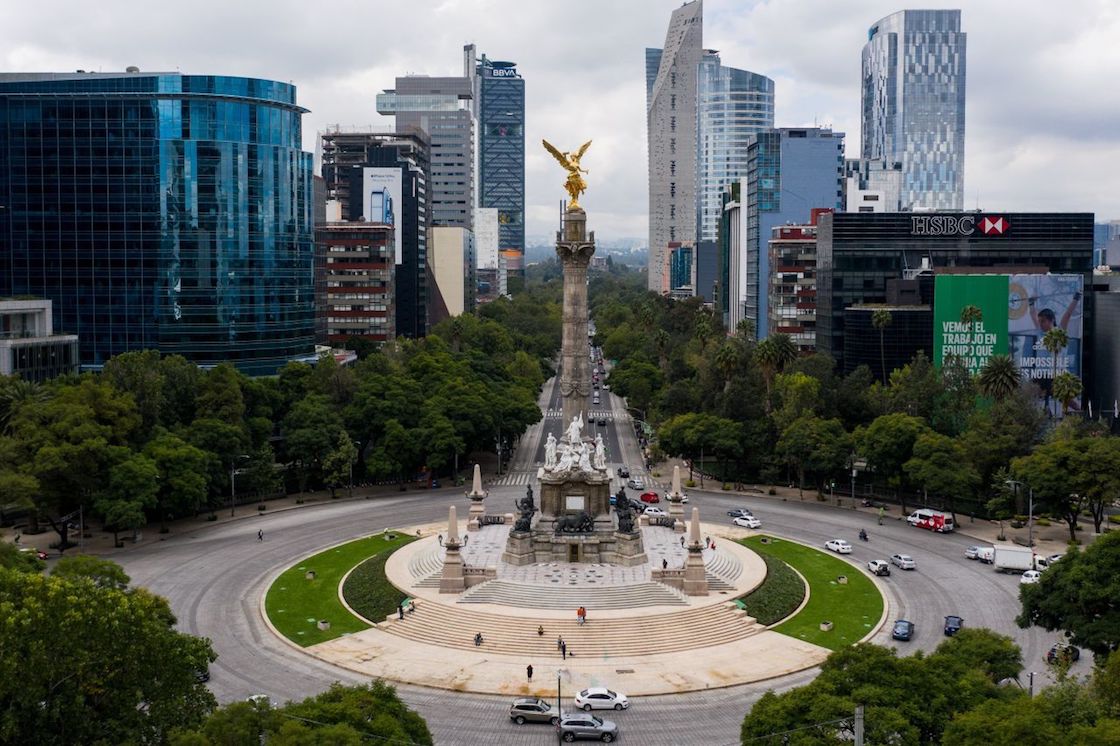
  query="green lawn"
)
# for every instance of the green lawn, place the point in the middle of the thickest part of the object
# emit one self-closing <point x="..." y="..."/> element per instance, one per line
<point x="295" y="604"/>
<point x="854" y="609"/>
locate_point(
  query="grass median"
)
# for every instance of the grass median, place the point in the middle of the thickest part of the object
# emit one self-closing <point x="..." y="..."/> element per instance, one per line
<point x="778" y="596"/>
<point x="295" y="605"/>
<point x="854" y="608"/>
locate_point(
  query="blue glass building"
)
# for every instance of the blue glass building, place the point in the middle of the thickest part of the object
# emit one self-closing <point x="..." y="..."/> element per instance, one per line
<point x="501" y="148"/>
<point x="913" y="104"/>
<point x="160" y="211"/>
<point x="731" y="105"/>
<point x="790" y="171"/>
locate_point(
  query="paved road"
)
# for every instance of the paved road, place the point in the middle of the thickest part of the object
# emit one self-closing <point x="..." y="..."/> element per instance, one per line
<point x="214" y="578"/>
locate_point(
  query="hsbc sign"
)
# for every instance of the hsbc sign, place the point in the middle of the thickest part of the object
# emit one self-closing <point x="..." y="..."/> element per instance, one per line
<point x="958" y="225"/>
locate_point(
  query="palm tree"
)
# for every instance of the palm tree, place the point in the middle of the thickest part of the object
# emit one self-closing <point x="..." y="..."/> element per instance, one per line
<point x="787" y="350"/>
<point x="773" y="354"/>
<point x="1055" y="340"/>
<point x="881" y="319"/>
<point x="1000" y="377"/>
<point x="727" y="361"/>
<point x="661" y="340"/>
<point x="702" y="331"/>
<point x="971" y="313"/>
<point x="745" y="329"/>
<point x="1066" y="388"/>
<point x="14" y="394"/>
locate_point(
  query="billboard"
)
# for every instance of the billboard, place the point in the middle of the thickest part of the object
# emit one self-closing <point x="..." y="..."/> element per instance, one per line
<point x="971" y="341"/>
<point x="381" y="202"/>
<point x="1016" y="311"/>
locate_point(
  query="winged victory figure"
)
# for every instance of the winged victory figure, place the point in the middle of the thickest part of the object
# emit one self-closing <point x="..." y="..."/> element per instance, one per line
<point x="575" y="183"/>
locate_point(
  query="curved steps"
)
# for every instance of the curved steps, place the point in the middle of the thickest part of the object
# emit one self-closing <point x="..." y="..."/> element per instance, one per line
<point x="530" y="596"/>
<point x="455" y="627"/>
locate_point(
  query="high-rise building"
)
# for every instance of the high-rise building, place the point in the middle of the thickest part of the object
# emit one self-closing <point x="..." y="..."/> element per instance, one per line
<point x="913" y="104"/>
<point x="29" y="347"/>
<point x="731" y="105"/>
<point x="444" y="108"/>
<point x="400" y="163"/>
<point x="793" y="282"/>
<point x="160" y="211"/>
<point x="453" y="267"/>
<point x="682" y="281"/>
<point x="872" y="186"/>
<point x="671" y="81"/>
<point x="790" y="171"/>
<point x="732" y="265"/>
<point x="500" y="100"/>
<point x="357" y="277"/>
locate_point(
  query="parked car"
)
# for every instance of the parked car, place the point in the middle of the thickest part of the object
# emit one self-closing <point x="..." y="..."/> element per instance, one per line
<point x="637" y="505"/>
<point x="606" y="387"/>
<point x="1063" y="652"/>
<point x="587" y="727"/>
<point x="32" y="550"/>
<point x="971" y="552"/>
<point x="1030" y="577"/>
<point x="1047" y="561"/>
<point x="879" y="567"/>
<point x="601" y="698"/>
<point x="202" y="675"/>
<point x="747" y="522"/>
<point x="953" y="625"/>
<point x="684" y="497"/>
<point x="903" y="630"/>
<point x="602" y="421"/>
<point x="595" y="385"/>
<point x="904" y="562"/>
<point x="533" y="710"/>
<point x="654" y="512"/>
<point x="739" y="513"/>
<point x="650" y="497"/>
<point x="623" y="472"/>
<point x="635" y="483"/>
<point x="839" y="546"/>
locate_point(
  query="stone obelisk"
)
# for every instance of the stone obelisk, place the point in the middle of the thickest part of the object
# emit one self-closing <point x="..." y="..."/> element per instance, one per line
<point x="574" y="247"/>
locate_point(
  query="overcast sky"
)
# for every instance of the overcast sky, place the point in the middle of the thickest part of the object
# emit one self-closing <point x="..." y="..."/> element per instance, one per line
<point x="1043" y="117"/>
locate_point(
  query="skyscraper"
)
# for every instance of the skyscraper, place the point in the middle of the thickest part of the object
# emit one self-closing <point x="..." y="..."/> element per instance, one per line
<point x="671" y="138"/>
<point x="913" y="104"/>
<point x="444" y="108"/>
<point x="731" y="105"/>
<point x="500" y="100"/>
<point x="790" y="171"/>
<point x="160" y="211"/>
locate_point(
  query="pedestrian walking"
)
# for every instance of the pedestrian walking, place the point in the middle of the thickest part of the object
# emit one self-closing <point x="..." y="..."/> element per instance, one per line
<point x="529" y="671"/>
<point x="712" y="546"/>
<point x="564" y="651"/>
<point x="411" y="607"/>
<point x="260" y="534"/>
<point x="559" y="642"/>
<point x="682" y="540"/>
<point x="664" y="563"/>
<point x="477" y="639"/>
<point x="708" y="541"/>
<point x="881" y="514"/>
<point x="400" y="610"/>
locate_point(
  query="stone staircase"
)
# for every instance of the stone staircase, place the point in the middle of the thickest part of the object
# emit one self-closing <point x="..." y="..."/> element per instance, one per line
<point x="426" y="564"/>
<point x="529" y="596"/>
<point x="453" y="626"/>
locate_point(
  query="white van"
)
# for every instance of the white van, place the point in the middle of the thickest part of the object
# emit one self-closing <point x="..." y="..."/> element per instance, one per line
<point x="987" y="555"/>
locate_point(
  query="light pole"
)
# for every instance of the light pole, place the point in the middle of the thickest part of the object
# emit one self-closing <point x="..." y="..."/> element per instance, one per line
<point x="233" y="483"/>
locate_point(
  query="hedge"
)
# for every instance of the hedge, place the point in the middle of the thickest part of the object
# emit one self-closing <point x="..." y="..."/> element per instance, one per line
<point x="779" y="595"/>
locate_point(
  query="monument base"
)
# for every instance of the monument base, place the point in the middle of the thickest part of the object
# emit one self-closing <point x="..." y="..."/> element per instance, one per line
<point x="519" y="549"/>
<point x="452" y="580"/>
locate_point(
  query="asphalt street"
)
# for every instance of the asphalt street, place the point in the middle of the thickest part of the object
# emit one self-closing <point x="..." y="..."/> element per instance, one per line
<point x="214" y="578"/>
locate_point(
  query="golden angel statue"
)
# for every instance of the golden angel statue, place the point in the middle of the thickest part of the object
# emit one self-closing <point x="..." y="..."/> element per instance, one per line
<point x="575" y="183"/>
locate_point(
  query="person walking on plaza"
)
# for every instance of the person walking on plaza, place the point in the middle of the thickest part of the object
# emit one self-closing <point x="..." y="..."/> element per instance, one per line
<point x="564" y="651"/>
<point x="477" y="639"/>
<point x="559" y="642"/>
<point x="664" y="564"/>
<point x="260" y="534"/>
<point x="529" y="671"/>
<point x="400" y="610"/>
<point x="540" y="630"/>
<point x="581" y="615"/>
<point x="882" y="512"/>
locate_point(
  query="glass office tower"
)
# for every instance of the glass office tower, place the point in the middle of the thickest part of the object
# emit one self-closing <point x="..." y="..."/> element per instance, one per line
<point x="501" y="149"/>
<point x="731" y="105"/>
<point x="913" y="104"/>
<point x="160" y="211"/>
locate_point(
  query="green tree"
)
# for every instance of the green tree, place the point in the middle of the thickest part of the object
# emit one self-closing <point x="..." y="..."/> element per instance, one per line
<point x="181" y="380"/>
<point x="1056" y="470"/>
<point x="104" y="573"/>
<point x="133" y="488"/>
<point x="999" y="377"/>
<point x="773" y="354"/>
<point x="819" y="448"/>
<point x="1078" y="596"/>
<point x="939" y="465"/>
<point x="13" y="558"/>
<point x="916" y="388"/>
<point x="219" y="395"/>
<point x="182" y="476"/>
<point x="16" y="392"/>
<point x="90" y="664"/>
<point x="888" y="443"/>
<point x="339" y="463"/>
<point x="1054" y="340"/>
<point x="140" y="375"/>
<point x="728" y="359"/>
<point x="1067" y="387"/>
<point x="880" y="319"/>
<point x="313" y="428"/>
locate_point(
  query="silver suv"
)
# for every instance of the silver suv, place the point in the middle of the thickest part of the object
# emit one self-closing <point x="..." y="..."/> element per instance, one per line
<point x="533" y="710"/>
<point x="587" y="727"/>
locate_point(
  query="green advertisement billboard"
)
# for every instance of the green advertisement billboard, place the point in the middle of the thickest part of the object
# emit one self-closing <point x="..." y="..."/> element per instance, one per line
<point x="957" y="330"/>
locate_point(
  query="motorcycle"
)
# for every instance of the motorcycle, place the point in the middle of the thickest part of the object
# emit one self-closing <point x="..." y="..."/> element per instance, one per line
<point x="862" y="535"/>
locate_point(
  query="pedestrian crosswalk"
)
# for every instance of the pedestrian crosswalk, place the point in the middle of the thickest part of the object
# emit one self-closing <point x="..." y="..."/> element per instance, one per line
<point x="515" y="478"/>
<point x="594" y="414"/>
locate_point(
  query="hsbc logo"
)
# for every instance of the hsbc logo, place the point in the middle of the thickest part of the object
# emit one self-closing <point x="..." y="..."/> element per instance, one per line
<point x="994" y="226"/>
<point x="957" y="225"/>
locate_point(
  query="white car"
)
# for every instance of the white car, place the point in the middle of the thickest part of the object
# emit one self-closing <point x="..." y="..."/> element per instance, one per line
<point x="1047" y="561"/>
<point x="839" y="546"/>
<point x="1030" y="577"/>
<point x="654" y="512"/>
<point x="601" y="698"/>
<point x="904" y="561"/>
<point x="606" y="387"/>
<point x="747" y="522"/>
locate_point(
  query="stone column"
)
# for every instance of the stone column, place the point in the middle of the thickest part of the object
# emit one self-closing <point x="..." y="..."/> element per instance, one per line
<point x="452" y="580"/>
<point x="574" y="249"/>
<point x="476" y="496"/>
<point x="695" y="580"/>
<point x="676" y="507"/>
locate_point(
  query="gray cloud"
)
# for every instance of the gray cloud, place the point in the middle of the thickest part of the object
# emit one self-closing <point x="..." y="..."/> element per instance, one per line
<point x="1042" y="116"/>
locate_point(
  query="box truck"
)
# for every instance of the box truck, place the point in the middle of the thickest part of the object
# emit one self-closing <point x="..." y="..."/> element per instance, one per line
<point x="1014" y="559"/>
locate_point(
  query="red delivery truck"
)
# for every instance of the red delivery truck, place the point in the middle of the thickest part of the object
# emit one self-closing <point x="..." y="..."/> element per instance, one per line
<point x="934" y="520"/>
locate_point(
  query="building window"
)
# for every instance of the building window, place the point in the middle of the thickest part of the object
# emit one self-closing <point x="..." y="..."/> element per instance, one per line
<point x="672" y="168"/>
<point x="672" y="189"/>
<point x="672" y="124"/>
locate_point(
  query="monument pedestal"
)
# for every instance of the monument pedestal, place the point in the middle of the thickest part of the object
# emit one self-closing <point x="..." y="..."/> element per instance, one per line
<point x="452" y="580"/>
<point x="629" y="551"/>
<point x="519" y="549"/>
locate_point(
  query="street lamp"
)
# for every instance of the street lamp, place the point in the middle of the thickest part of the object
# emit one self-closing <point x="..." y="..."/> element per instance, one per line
<point x="233" y="482"/>
<point x="1030" y="509"/>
